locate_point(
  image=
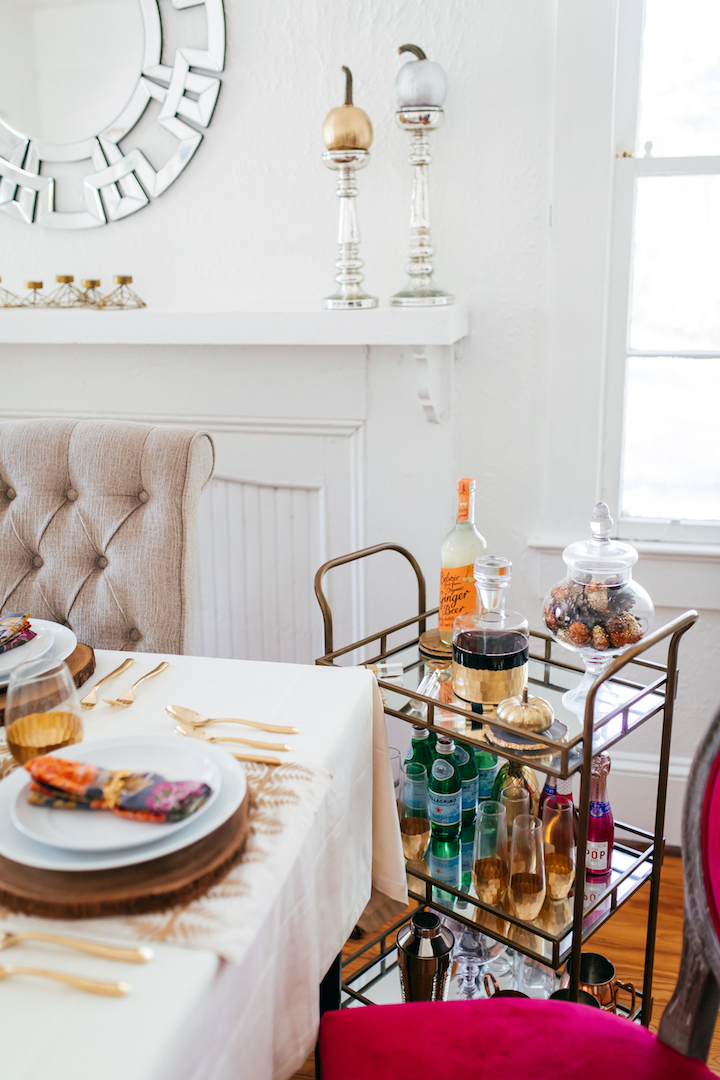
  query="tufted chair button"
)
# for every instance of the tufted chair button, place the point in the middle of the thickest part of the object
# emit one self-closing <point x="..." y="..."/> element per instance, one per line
<point x="143" y="496"/>
<point x="102" y="562"/>
<point x="134" y="635"/>
<point x="38" y="561"/>
<point x="71" y="495"/>
<point x="10" y="494"/>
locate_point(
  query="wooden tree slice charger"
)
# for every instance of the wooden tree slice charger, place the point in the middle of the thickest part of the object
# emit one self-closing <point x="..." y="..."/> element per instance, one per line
<point x="129" y="890"/>
<point x="81" y="663"/>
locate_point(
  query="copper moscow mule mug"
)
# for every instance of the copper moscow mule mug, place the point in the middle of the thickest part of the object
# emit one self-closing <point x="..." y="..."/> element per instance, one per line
<point x="598" y="977"/>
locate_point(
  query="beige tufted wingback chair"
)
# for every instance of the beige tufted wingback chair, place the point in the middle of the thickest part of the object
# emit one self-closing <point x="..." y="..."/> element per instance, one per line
<point x="98" y="526"/>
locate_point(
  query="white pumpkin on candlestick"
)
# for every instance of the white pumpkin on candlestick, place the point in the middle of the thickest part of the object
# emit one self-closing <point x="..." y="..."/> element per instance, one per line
<point x="420" y="82"/>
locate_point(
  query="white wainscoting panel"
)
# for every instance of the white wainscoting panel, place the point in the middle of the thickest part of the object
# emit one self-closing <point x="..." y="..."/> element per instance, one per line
<point x="259" y="545"/>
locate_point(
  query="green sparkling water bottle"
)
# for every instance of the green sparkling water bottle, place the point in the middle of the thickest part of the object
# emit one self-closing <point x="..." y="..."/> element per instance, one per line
<point x="464" y="762"/>
<point x="420" y="748"/>
<point x="444" y="861"/>
<point x="445" y="793"/>
<point x="487" y="767"/>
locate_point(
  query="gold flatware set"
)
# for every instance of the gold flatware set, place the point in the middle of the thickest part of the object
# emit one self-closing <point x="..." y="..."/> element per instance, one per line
<point x="190" y="724"/>
<point x="140" y="955"/>
<point x="90" y="700"/>
<point x="127" y="699"/>
<point x="191" y="718"/>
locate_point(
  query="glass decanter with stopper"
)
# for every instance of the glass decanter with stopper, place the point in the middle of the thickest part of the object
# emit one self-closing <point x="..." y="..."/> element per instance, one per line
<point x="490" y="645"/>
<point x="597" y="610"/>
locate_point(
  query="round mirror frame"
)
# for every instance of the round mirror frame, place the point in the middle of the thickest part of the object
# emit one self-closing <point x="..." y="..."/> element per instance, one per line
<point x="119" y="184"/>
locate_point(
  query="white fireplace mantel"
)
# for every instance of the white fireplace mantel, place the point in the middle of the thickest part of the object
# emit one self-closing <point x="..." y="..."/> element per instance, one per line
<point x="292" y="326"/>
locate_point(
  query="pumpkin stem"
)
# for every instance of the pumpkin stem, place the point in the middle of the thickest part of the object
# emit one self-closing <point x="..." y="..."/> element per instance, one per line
<point x="348" y="85"/>
<point x="525" y="694"/>
<point x="414" y="49"/>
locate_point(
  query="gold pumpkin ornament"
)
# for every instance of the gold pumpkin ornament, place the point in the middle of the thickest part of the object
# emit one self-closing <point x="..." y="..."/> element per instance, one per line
<point x="529" y="714"/>
<point x="347" y="127"/>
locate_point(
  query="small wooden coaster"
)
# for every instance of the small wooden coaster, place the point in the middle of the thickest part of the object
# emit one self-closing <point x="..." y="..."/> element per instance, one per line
<point x="81" y="663"/>
<point x="163" y="883"/>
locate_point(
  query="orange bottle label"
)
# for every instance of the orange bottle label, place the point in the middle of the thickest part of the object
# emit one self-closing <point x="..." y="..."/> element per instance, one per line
<point x="457" y="595"/>
<point x="464" y="497"/>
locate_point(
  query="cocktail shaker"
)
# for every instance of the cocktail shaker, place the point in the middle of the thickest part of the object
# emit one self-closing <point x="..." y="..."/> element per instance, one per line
<point x="424" y="957"/>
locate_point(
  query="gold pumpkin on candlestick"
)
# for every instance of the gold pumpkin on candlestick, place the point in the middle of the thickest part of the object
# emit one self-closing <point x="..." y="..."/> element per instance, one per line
<point x="347" y="127"/>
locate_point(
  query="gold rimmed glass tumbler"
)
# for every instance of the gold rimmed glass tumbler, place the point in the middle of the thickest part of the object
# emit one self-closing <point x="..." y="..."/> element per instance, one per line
<point x="413" y="810"/>
<point x="490" y="854"/>
<point x="42" y="712"/>
<point x="526" y="892"/>
<point x="559" y="842"/>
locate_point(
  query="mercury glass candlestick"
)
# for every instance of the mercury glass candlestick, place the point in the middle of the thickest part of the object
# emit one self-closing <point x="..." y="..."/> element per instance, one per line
<point x="420" y="290"/>
<point x="348" y="134"/>
<point x="350" y="293"/>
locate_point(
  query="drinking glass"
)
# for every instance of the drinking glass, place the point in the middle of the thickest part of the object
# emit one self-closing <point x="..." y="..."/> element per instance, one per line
<point x="42" y="712"/>
<point x="516" y="801"/>
<point x="395" y="762"/>
<point x="559" y="841"/>
<point x="413" y="809"/>
<point x="526" y="892"/>
<point x="490" y="853"/>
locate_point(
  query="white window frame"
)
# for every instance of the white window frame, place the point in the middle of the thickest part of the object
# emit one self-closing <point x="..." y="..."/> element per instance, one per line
<point x="627" y="169"/>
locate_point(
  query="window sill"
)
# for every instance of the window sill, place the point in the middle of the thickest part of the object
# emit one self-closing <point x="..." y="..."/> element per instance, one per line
<point x="676" y="575"/>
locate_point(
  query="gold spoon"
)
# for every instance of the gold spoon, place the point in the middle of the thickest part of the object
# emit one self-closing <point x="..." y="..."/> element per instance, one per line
<point x="90" y="700"/>
<point x="90" y="986"/>
<point x="263" y="759"/>
<point x="191" y="718"/>
<point x="141" y="955"/>
<point x="196" y="733"/>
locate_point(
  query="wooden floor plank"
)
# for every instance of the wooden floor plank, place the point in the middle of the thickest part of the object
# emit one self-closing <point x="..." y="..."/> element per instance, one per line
<point x="622" y="940"/>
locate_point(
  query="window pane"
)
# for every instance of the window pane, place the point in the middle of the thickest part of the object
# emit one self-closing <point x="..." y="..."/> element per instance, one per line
<point x="675" y="300"/>
<point x="671" y="459"/>
<point x="680" y="88"/>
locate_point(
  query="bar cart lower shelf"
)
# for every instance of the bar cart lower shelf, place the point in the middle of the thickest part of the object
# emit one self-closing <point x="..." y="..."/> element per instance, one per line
<point x="643" y="690"/>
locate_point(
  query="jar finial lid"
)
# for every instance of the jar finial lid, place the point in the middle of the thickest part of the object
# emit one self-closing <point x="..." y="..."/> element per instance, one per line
<point x="601" y="523"/>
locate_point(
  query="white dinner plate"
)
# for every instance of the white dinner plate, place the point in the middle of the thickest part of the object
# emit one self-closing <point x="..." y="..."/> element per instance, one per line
<point x="21" y="849"/>
<point x="29" y="650"/>
<point x="99" y="830"/>
<point x="62" y="643"/>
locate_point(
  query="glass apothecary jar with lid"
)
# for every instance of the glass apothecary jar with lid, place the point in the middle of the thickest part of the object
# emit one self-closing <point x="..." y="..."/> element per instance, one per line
<point x="490" y="645"/>
<point x="598" y="610"/>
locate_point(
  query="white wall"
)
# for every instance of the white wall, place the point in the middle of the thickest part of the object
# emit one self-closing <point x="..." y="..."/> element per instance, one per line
<point x="252" y="223"/>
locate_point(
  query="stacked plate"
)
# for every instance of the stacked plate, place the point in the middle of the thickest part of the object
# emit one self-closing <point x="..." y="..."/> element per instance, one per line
<point x="52" y="640"/>
<point x="77" y="840"/>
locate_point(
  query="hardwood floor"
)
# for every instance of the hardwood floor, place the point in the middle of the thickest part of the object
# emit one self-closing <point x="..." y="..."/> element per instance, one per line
<point x="622" y="939"/>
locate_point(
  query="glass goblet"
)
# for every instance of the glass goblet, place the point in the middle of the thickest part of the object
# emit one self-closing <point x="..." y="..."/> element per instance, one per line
<point x="559" y="842"/>
<point x="516" y="801"/>
<point x="42" y="711"/>
<point x="413" y="810"/>
<point x="526" y="891"/>
<point x="490" y="854"/>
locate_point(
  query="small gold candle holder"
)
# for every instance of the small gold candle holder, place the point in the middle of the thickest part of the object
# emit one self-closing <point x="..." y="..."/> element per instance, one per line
<point x="34" y="297"/>
<point x="123" y="297"/>
<point x="92" y="297"/>
<point x="66" y="295"/>
<point x="8" y="299"/>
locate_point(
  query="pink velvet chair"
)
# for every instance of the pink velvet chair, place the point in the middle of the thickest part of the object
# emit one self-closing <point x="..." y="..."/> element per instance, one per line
<point x="494" y="1040"/>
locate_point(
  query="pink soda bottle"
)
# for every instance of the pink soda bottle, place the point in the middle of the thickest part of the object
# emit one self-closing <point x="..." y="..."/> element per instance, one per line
<point x="601" y="827"/>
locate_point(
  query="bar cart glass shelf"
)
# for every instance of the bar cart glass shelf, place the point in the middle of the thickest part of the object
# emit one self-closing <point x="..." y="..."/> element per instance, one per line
<point x="643" y="690"/>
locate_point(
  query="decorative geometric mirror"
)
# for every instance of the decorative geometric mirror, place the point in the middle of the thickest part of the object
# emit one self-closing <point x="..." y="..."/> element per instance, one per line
<point x="79" y="78"/>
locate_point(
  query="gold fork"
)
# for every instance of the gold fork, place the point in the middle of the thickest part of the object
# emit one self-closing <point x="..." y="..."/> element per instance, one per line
<point x="192" y="718"/>
<point x="126" y="700"/>
<point x="195" y="733"/>
<point x="90" y="986"/>
<point x="90" y="700"/>
<point x="263" y="759"/>
<point x="140" y="955"/>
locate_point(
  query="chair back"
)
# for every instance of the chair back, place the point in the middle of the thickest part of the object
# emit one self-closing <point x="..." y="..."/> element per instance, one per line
<point x="98" y="525"/>
<point x="689" y="1019"/>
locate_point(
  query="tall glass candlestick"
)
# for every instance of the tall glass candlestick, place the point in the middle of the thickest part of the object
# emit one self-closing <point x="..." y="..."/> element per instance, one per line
<point x="347" y="133"/>
<point x="420" y="290"/>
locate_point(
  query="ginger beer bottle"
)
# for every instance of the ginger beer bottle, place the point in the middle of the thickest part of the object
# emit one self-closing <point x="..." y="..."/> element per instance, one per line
<point x="460" y="548"/>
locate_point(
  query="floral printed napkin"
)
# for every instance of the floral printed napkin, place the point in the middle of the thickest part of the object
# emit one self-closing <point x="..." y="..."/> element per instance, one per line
<point x="70" y="785"/>
<point x="15" y="630"/>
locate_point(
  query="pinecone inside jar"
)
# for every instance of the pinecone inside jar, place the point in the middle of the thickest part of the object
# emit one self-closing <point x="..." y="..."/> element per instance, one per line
<point x="595" y="614"/>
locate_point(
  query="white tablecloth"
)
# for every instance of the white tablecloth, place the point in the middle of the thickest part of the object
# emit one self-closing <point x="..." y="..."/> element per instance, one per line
<point x="239" y="998"/>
